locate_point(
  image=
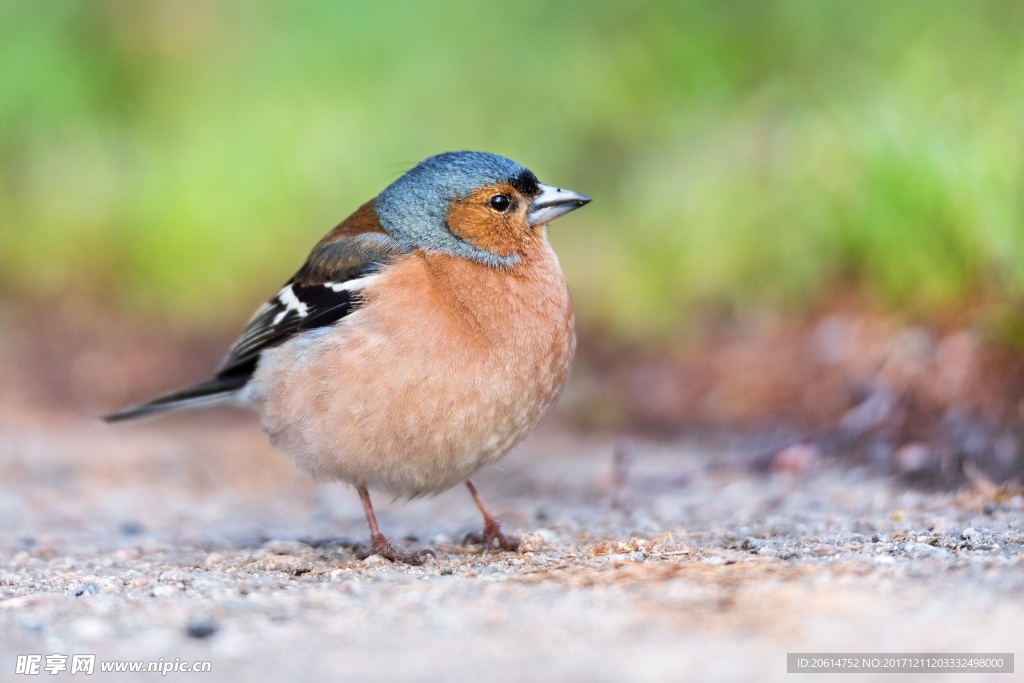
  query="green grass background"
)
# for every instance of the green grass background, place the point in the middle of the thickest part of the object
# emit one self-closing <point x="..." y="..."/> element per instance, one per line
<point x="178" y="158"/>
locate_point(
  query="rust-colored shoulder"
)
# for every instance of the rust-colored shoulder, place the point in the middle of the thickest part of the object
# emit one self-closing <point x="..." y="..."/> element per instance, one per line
<point x="362" y="221"/>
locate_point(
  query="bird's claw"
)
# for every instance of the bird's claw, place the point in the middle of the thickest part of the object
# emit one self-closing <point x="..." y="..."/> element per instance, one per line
<point x="390" y="552"/>
<point x="493" y="538"/>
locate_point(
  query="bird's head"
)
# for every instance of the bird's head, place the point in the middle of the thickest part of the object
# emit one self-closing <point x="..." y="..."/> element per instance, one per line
<point x="473" y="205"/>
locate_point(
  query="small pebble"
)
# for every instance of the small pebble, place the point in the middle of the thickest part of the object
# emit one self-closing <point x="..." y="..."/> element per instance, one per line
<point x="164" y="590"/>
<point x="131" y="528"/>
<point x="919" y="550"/>
<point x="281" y="563"/>
<point x="175" y="576"/>
<point x="375" y="561"/>
<point x="532" y="542"/>
<point x="87" y="589"/>
<point x="200" y="628"/>
<point x="985" y="547"/>
<point x="751" y="543"/>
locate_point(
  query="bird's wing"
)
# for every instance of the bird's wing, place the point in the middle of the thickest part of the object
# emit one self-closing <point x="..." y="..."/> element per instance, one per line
<point x="324" y="290"/>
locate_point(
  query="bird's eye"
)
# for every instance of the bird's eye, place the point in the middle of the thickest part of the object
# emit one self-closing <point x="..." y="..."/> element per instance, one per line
<point x="500" y="203"/>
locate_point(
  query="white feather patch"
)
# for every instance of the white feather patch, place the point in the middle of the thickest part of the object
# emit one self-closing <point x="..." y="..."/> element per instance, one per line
<point x="351" y="285"/>
<point x="291" y="303"/>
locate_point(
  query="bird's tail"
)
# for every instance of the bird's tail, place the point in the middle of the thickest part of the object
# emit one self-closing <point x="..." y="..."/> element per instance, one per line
<point x="215" y="391"/>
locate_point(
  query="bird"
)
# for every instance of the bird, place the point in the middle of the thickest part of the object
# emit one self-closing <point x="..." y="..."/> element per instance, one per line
<point x="426" y="335"/>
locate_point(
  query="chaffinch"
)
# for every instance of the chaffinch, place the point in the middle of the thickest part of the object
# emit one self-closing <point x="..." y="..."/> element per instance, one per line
<point x="425" y="336"/>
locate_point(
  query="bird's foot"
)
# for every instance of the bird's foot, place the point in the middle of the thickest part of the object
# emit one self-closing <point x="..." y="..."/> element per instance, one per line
<point x="493" y="538"/>
<point x="382" y="546"/>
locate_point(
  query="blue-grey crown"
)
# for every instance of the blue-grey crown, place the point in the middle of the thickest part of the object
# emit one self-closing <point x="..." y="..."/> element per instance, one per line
<point x="414" y="208"/>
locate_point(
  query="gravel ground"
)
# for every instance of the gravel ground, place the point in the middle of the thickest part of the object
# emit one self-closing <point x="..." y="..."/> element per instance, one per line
<point x="190" y="538"/>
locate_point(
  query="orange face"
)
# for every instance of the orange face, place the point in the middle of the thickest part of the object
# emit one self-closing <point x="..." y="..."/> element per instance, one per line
<point x="493" y="218"/>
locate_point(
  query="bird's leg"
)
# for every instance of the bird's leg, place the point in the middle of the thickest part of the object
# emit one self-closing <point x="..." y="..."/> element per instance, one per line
<point x="379" y="544"/>
<point x="492" y="536"/>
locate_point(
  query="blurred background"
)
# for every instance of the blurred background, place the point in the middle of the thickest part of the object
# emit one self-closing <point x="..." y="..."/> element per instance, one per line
<point x="802" y="210"/>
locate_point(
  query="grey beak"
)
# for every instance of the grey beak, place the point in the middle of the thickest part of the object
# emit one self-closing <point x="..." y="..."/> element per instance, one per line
<point x="553" y="202"/>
